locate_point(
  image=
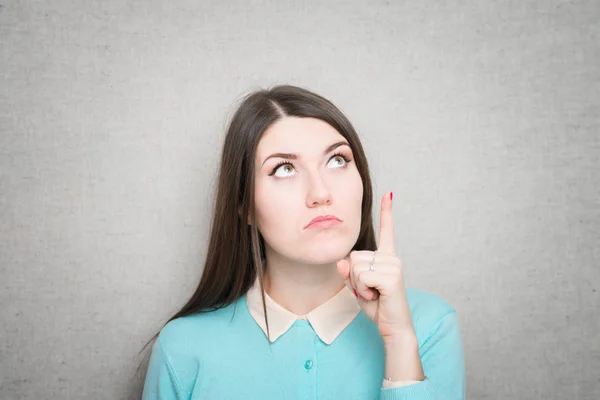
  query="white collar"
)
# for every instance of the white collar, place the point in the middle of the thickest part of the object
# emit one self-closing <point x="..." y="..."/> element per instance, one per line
<point x="328" y="320"/>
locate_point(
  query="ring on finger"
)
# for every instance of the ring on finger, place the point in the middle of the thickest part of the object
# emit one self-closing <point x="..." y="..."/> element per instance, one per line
<point x="371" y="266"/>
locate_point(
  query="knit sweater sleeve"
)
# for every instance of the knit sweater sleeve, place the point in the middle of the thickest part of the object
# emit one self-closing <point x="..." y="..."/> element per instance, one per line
<point x="161" y="381"/>
<point x="443" y="364"/>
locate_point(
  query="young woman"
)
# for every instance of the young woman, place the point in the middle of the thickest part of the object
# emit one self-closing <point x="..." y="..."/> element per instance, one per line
<point x="296" y="299"/>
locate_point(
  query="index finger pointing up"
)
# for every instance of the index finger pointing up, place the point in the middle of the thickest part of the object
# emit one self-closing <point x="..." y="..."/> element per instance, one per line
<point x="386" y="226"/>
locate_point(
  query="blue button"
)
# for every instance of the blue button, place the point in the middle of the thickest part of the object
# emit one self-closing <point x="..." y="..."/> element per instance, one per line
<point x="308" y="364"/>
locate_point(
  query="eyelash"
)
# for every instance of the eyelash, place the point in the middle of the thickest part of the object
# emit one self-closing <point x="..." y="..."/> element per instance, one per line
<point x="346" y="159"/>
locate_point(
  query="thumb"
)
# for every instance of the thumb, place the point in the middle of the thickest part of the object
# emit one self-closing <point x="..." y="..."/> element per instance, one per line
<point x="343" y="268"/>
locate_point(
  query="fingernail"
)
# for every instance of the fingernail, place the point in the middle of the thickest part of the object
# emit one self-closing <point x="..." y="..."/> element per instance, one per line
<point x="391" y="195"/>
<point x="356" y="294"/>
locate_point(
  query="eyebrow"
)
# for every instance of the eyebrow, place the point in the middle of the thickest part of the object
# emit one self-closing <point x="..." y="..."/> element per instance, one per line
<point x="293" y="156"/>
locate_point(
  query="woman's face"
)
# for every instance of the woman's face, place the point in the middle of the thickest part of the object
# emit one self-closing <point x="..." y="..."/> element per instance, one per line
<point x="318" y="177"/>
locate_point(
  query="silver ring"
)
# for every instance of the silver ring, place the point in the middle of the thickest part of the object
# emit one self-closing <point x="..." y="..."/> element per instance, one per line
<point x="371" y="267"/>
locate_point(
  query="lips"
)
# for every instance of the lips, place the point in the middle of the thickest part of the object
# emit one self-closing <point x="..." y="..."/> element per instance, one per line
<point x="323" y="220"/>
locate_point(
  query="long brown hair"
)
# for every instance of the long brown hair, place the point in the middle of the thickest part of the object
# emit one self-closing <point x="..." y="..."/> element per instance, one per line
<point x="236" y="251"/>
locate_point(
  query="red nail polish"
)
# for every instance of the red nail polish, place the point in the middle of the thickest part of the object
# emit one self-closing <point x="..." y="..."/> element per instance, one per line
<point x="356" y="294"/>
<point x="391" y="195"/>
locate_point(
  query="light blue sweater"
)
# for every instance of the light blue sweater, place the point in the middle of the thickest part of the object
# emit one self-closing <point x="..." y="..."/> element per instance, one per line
<point x="225" y="355"/>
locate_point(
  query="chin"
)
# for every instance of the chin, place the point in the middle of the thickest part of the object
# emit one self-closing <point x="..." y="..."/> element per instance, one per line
<point x="326" y="251"/>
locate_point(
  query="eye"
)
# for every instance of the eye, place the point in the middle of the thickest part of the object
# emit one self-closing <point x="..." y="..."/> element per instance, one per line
<point x="283" y="169"/>
<point x="339" y="160"/>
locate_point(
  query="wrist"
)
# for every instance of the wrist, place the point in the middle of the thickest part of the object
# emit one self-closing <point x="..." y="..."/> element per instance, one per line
<point x="403" y="338"/>
<point x="401" y="345"/>
<point x="402" y="359"/>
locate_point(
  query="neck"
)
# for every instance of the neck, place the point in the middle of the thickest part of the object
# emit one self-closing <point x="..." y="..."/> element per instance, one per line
<point x="300" y="287"/>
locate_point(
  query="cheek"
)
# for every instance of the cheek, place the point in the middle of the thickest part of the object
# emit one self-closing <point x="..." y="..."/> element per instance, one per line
<point x="274" y="210"/>
<point x="357" y="191"/>
<point x="355" y="198"/>
<point x="349" y="194"/>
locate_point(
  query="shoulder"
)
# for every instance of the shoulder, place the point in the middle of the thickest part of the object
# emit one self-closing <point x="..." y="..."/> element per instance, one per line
<point x="182" y="348"/>
<point x="426" y="304"/>
<point x="186" y="335"/>
<point x="428" y="311"/>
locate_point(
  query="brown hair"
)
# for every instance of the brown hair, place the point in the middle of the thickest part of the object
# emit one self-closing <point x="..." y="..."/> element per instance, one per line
<point x="236" y="251"/>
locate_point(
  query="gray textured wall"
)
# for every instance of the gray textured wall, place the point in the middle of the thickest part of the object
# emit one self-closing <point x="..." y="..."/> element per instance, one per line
<point x="482" y="116"/>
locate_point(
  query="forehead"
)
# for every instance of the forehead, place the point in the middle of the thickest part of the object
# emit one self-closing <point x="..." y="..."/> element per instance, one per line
<point x="297" y="135"/>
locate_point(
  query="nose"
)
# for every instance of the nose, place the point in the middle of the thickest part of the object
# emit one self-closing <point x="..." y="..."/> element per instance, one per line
<point x="318" y="192"/>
